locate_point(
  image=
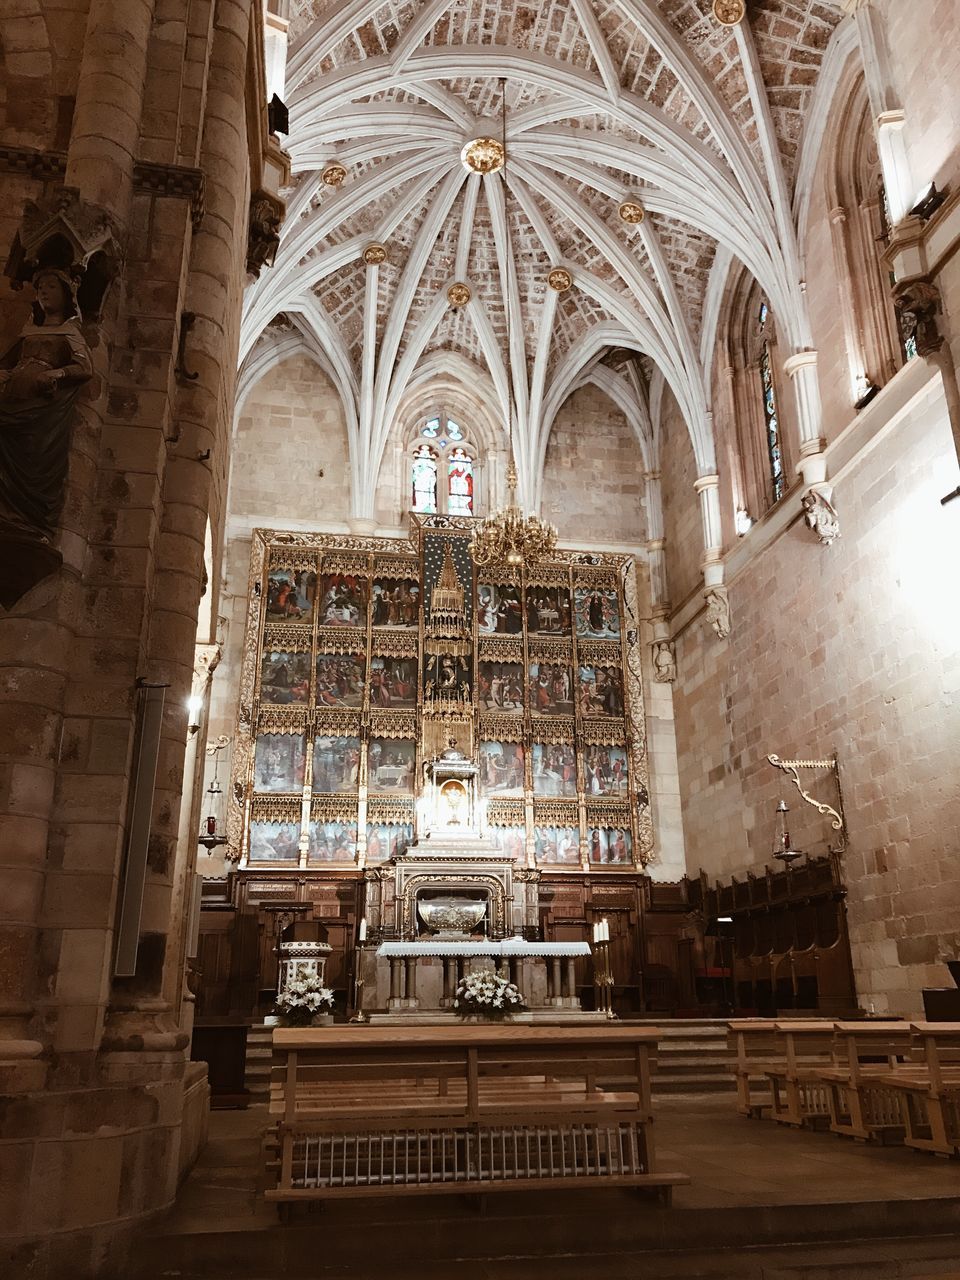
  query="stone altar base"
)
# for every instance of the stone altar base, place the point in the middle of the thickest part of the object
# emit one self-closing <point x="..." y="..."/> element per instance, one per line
<point x="550" y="1017"/>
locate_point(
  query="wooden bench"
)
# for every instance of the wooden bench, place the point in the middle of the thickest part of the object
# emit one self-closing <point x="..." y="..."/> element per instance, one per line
<point x="754" y="1042"/>
<point x="929" y="1088"/>
<point x="862" y="1105"/>
<point x="381" y="1110"/>
<point x="799" y="1095"/>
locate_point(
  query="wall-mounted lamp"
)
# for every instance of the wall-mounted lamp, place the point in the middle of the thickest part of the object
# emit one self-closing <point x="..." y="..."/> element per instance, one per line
<point x="865" y="391"/>
<point x="783" y="850"/>
<point x="743" y="521"/>
<point x="837" y="820"/>
<point x="194" y="710"/>
<point x="927" y="202"/>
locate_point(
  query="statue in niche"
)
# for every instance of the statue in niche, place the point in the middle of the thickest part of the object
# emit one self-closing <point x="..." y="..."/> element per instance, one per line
<point x="40" y="379"/>
<point x="664" y="662"/>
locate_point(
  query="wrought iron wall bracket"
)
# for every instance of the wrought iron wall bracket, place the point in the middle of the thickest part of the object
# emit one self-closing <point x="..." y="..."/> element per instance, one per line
<point x="836" y="815"/>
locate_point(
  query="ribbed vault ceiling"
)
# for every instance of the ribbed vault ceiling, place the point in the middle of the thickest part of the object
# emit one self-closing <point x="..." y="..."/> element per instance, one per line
<point x="606" y="99"/>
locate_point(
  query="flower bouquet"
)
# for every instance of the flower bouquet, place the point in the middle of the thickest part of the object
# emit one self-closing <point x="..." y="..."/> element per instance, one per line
<point x="298" y="1003"/>
<point x="485" y="994"/>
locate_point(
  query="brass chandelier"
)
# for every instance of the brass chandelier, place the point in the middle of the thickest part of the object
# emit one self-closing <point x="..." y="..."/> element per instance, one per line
<point x="509" y="536"/>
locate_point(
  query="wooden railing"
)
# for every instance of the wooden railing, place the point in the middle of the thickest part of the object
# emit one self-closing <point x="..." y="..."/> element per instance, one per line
<point x="377" y="1110"/>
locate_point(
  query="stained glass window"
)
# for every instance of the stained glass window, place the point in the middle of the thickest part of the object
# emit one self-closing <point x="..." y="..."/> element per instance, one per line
<point x="453" y="430"/>
<point x="772" y="421"/>
<point x="459" y="482"/>
<point x="431" y="428"/>
<point x="425" y="480"/>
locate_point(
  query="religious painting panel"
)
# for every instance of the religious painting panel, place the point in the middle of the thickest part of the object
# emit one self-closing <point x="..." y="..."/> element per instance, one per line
<point x="598" y="613"/>
<point x="610" y="845"/>
<point x="501" y="768"/>
<point x="393" y="682"/>
<point x="331" y="842"/>
<point x="336" y="764"/>
<point x="342" y="600"/>
<point x="340" y="679"/>
<point x="605" y="771"/>
<point x="390" y="765"/>
<point x="447" y="675"/>
<point x="551" y="689"/>
<point x="510" y="841"/>
<point x="554" y="768"/>
<point x="600" y="691"/>
<point x="500" y="686"/>
<point x="387" y="840"/>
<point x="291" y="595"/>
<point x="548" y="610"/>
<point x="557" y="845"/>
<point x="279" y="762"/>
<point x="395" y="602"/>
<point x="284" y="677"/>
<point x="499" y="611"/>
<point x="273" y="840"/>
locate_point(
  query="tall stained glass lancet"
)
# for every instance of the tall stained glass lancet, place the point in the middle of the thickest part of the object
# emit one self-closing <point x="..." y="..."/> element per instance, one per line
<point x="459" y="482"/>
<point x="770" y="415"/>
<point x="424" y="477"/>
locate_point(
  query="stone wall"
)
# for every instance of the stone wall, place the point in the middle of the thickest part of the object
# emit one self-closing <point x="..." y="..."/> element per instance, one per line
<point x="855" y="649"/>
<point x="291" y="427"/>
<point x="681" y="511"/>
<point x="593" y="473"/>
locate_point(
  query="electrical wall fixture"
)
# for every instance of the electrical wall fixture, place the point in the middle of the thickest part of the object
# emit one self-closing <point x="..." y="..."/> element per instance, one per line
<point x="927" y="202"/>
<point x="743" y="522"/>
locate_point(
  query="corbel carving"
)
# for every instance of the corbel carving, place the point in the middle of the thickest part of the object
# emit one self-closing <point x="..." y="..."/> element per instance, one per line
<point x="718" y="610"/>
<point x="263" y="236"/>
<point x="820" y="515"/>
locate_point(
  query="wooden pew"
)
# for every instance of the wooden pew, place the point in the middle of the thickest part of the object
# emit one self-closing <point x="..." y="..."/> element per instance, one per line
<point x="382" y="1110"/>
<point x="805" y="1045"/>
<point x="861" y="1104"/>
<point x="929" y="1089"/>
<point x="755" y="1043"/>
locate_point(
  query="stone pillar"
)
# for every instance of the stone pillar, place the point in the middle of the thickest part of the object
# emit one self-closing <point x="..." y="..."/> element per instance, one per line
<point x="571" y="991"/>
<point x="410" y="994"/>
<point x="396" y="979"/>
<point x="817" y="497"/>
<point x="888" y="113"/>
<point x="556" y="980"/>
<point x="715" y="593"/>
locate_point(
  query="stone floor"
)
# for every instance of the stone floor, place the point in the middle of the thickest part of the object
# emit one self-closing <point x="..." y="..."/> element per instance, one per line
<point x="764" y="1203"/>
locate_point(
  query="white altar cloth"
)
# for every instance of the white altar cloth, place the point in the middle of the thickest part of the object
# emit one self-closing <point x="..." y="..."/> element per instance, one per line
<point x="509" y="947"/>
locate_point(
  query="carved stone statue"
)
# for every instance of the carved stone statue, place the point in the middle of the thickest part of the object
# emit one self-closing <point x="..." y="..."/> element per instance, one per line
<point x="821" y="516"/>
<point x="40" y="379"/>
<point x="264" y="234"/>
<point x="664" y="662"/>
<point x="718" y="610"/>
<point x="917" y="303"/>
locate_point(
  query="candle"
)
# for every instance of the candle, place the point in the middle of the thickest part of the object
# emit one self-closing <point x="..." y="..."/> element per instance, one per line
<point x="363" y="929"/>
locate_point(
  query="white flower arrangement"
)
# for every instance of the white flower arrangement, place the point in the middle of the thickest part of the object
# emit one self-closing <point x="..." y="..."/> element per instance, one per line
<point x="485" y="994"/>
<point x="298" y="1002"/>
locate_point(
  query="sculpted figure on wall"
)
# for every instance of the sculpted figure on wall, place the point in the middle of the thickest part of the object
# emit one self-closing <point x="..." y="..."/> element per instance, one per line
<point x="40" y="379"/>
<point x="718" y="611"/>
<point x="821" y="516"/>
<point x="664" y="662"/>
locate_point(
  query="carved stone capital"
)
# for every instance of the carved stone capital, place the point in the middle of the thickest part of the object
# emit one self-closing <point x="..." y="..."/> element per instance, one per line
<point x="718" y="610"/>
<point x="263" y="235"/>
<point x="820" y="514"/>
<point x="917" y="303"/>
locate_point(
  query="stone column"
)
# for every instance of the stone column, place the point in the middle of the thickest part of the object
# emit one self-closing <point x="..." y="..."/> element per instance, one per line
<point x="396" y="979"/>
<point x="556" y="980"/>
<point x="715" y="593"/>
<point x="571" y="991"/>
<point x="818" y="492"/>
<point x="410" y="994"/>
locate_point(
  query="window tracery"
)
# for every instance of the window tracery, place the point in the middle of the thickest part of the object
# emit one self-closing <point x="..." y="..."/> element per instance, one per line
<point x="444" y="468"/>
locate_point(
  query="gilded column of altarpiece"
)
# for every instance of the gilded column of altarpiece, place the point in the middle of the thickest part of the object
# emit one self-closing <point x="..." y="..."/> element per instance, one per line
<point x="364" y="657"/>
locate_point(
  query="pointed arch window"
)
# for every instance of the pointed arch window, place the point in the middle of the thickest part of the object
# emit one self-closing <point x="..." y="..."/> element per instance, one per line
<point x="770" y="415"/>
<point x="424" y="480"/>
<point x="444" y="468"/>
<point x="459" y="482"/>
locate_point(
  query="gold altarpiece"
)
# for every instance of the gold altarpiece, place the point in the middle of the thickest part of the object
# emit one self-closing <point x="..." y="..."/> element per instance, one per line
<point x="364" y="658"/>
